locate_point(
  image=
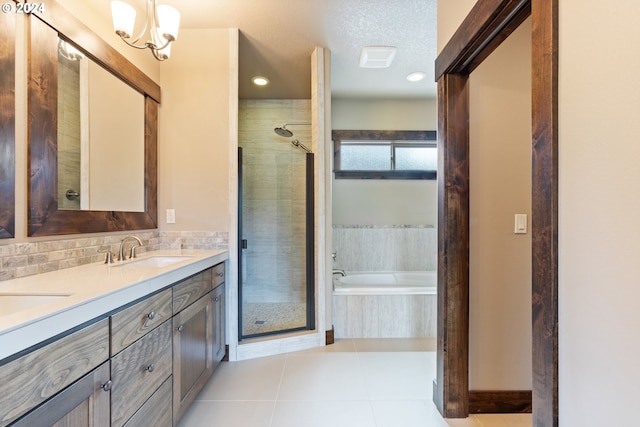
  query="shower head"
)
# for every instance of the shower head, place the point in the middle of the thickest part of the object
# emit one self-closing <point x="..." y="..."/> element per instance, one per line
<point x="299" y="145"/>
<point x="283" y="131"/>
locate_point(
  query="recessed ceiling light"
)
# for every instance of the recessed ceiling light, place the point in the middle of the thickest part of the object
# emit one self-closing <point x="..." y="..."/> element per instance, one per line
<point x="260" y="81"/>
<point x="416" y="77"/>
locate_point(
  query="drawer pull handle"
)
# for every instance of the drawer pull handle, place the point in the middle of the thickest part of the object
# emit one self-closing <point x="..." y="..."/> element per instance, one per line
<point x="149" y="368"/>
<point x="220" y="274"/>
<point x="180" y="328"/>
<point x="216" y="299"/>
<point x="151" y="315"/>
<point x="107" y="386"/>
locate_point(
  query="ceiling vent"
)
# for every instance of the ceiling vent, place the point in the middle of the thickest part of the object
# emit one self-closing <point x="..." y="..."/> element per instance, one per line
<point x="377" y="56"/>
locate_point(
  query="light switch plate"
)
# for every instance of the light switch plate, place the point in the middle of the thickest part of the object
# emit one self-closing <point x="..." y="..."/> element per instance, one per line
<point x="171" y="216"/>
<point x="520" y="224"/>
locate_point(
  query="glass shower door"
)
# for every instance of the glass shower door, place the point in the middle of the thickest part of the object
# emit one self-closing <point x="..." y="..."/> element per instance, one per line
<point x="276" y="263"/>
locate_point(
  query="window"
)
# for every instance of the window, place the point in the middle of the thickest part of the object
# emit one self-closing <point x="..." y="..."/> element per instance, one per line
<point x="385" y="154"/>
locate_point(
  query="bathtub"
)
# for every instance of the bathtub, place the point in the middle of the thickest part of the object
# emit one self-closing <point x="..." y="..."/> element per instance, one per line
<point x="386" y="283"/>
<point x="390" y="304"/>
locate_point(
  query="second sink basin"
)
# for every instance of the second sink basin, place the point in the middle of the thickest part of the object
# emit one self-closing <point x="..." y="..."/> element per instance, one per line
<point x="155" y="261"/>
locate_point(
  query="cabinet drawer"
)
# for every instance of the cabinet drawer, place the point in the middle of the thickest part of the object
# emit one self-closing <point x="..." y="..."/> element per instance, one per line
<point x="134" y="322"/>
<point x="84" y="403"/>
<point x="191" y="289"/>
<point x="156" y="411"/>
<point x="37" y="376"/>
<point x="218" y="274"/>
<point x="138" y="371"/>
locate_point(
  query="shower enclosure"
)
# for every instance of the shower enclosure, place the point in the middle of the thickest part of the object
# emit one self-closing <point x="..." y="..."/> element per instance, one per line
<point x="275" y="259"/>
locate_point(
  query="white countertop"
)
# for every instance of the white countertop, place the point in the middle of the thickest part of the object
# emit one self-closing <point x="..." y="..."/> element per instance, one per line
<point x="90" y="291"/>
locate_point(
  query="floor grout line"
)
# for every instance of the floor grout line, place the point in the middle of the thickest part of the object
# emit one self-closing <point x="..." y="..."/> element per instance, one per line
<point x="275" y="402"/>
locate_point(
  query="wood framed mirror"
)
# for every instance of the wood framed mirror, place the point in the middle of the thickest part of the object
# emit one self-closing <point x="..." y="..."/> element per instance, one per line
<point x="45" y="217"/>
<point x="7" y="124"/>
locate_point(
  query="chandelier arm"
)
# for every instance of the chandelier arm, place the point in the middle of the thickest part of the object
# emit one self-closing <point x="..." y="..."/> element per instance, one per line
<point x="158" y="57"/>
<point x="124" y="39"/>
<point x="167" y="37"/>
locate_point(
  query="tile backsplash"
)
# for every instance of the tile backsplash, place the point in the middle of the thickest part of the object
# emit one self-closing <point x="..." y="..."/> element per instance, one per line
<point x="28" y="258"/>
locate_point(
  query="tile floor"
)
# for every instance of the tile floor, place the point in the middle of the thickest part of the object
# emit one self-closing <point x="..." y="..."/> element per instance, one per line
<point x="352" y="383"/>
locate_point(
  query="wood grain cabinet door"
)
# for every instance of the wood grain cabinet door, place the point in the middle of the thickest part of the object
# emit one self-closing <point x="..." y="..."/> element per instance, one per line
<point x="83" y="404"/>
<point x="36" y="377"/>
<point x="193" y="353"/>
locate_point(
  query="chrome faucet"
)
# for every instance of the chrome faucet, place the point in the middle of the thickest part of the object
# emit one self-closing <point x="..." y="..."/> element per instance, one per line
<point x="132" y="253"/>
<point x="340" y="272"/>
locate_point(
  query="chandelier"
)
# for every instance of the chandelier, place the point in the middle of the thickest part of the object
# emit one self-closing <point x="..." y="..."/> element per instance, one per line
<point x="161" y="25"/>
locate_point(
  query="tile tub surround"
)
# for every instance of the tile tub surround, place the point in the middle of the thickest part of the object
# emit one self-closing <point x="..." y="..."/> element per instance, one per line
<point x="385" y="247"/>
<point x="29" y="258"/>
<point x="384" y="316"/>
<point x="90" y="291"/>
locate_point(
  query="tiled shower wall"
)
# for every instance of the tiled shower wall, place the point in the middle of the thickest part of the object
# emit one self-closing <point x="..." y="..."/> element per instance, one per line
<point x="273" y="200"/>
<point x="26" y="259"/>
<point x="385" y="248"/>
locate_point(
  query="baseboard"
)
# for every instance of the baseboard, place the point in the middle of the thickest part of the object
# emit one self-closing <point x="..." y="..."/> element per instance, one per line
<point x="329" y="336"/>
<point x="500" y="402"/>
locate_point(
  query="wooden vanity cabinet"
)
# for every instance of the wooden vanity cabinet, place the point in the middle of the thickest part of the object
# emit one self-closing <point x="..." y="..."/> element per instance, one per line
<point x="134" y="322"/>
<point x="193" y="353"/>
<point x="157" y="411"/>
<point x="198" y="335"/>
<point x="38" y="376"/>
<point x="138" y="371"/>
<point x="84" y="403"/>
<point x="143" y="366"/>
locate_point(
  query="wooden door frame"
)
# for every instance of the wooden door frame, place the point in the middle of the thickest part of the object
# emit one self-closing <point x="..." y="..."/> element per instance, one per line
<point x="488" y="24"/>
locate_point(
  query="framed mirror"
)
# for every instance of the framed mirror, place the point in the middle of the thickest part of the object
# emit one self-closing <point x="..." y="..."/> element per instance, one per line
<point x="7" y="124"/>
<point x="125" y="145"/>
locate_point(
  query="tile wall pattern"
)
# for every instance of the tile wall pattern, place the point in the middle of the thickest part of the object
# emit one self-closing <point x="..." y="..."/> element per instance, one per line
<point x="385" y="248"/>
<point x="273" y="200"/>
<point x="26" y="259"/>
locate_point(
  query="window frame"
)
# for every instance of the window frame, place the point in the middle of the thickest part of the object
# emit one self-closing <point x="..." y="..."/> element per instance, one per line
<point x="397" y="138"/>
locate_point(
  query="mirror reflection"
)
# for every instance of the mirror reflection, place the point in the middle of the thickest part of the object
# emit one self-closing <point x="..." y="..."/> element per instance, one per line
<point x="100" y="137"/>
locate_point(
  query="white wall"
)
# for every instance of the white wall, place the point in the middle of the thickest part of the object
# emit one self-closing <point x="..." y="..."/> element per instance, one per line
<point x="599" y="201"/>
<point x="500" y="179"/>
<point x="194" y="136"/>
<point x="384" y="202"/>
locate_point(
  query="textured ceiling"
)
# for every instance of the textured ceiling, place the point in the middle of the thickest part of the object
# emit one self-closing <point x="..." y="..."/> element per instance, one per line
<point x="277" y="38"/>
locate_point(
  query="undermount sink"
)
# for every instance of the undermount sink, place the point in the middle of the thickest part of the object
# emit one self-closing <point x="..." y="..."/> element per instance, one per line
<point x="15" y="302"/>
<point x="155" y="261"/>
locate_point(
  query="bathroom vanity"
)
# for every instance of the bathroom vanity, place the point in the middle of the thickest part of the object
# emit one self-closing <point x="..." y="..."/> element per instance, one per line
<point x="153" y="340"/>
